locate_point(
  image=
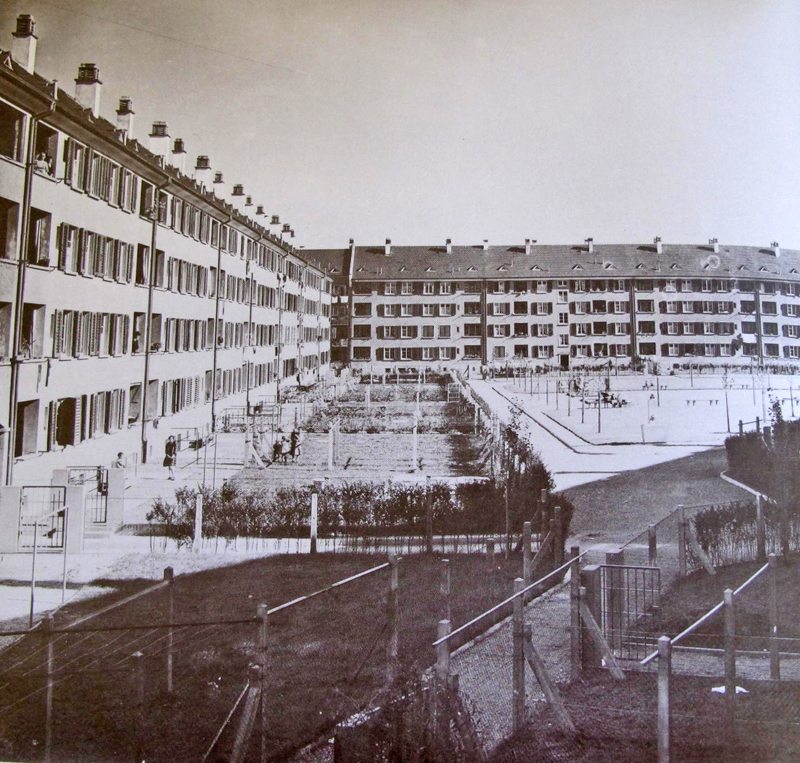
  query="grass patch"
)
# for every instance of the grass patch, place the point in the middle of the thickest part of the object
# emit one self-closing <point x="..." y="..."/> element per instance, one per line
<point x="325" y="657"/>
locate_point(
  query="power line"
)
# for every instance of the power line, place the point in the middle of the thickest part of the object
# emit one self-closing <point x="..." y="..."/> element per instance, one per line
<point x="175" y="39"/>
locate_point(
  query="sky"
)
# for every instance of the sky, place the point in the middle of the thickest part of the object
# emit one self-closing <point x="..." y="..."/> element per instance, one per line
<point x="421" y="120"/>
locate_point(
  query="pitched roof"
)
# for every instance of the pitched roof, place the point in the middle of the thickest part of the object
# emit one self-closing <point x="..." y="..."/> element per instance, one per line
<point x="562" y="261"/>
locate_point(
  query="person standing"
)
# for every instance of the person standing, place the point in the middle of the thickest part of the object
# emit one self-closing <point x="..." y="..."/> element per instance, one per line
<point x="170" y="455"/>
<point x="285" y="449"/>
<point x="297" y="443"/>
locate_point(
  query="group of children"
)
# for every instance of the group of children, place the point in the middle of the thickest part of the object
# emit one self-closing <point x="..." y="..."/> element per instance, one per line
<point x="285" y="448"/>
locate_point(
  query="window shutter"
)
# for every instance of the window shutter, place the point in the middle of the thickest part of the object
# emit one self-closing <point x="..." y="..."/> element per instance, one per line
<point x="58" y="329"/>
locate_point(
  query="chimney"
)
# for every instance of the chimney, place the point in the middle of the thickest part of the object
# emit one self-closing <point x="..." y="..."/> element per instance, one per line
<point x="178" y="159"/>
<point x="248" y="204"/>
<point x="159" y="140"/>
<point x="237" y="197"/>
<point x="529" y="242"/>
<point x="387" y="247"/>
<point x="449" y="245"/>
<point x="590" y="245"/>
<point x="486" y="245"/>
<point x="203" y="172"/>
<point x="659" y="247"/>
<point x="260" y="210"/>
<point x="87" y="88"/>
<point x="715" y="243"/>
<point x="218" y="186"/>
<point x="125" y="117"/>
<point x="776" y="248"/>
<point x="23" y="47"/>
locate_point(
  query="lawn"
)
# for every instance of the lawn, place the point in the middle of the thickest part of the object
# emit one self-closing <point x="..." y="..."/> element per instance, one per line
<point x="325" y="657"/>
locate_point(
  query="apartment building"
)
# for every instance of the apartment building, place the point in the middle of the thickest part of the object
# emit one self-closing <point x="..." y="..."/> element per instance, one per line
<point x="138" y="297"/>
<point x="564" y="306"/>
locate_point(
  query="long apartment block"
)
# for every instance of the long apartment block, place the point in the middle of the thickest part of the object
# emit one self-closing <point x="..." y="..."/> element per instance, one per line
<point x="564" y="306"/>
<point x="139" y="298"/>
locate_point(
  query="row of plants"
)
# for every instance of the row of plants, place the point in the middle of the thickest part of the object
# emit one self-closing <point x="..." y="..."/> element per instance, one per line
<point x="384" y="393"/>
<point x="728" y="532"/>
<point x="447" y="418"/>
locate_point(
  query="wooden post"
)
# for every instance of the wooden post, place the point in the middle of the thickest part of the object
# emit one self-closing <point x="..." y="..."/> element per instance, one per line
<point x="443" y="652"/>
<point x="444" y="589"/>
<point x="428" y="516"/>
<point x="730" y="652"/>
<point x="664" y="674"/>
<point x="313" y="540"/>
<point x="47" y="628"/>
<point x="518" y="658"/>
<point x="575" y="614"/>
<point x="761" y="531"/>
<point x="490" y="551"/>
<point x="170" y="577"/>
<point x="681" y="543"/>
<point x="197" y="541"/>
<point x="414" y="445"/>
<point x="261" y="617"/>
<point x="526" y="553"/>
<point x="549" y="689"/>
<point x="508" y="516"/>
<point x="774" y="644"/>
<point x="393" y="617"/>
<point x="138" y="677"/>
<point x="652" y="546"/>
<point x="590" y="595"/>
<point x="330" y="448"/>
<point x="558" y="538"/>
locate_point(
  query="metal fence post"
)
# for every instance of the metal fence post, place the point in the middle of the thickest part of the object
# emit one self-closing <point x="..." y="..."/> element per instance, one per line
<point x="444" y="589"/>
<point x="774" y="644"/>
<point x="47" y="627"/>
<point x="312" y="548"/>
<point x="443" y="652"/>
<point x="169" y="576"/>
<point x="519" y="657"/>
<point x="558" y="537"/>
<point x="664" y="675"/>
<point x="330" y="448"/>
<point x="575" y="614"/>
<point x="197" y="541"/>
<point x="261" y="617"/>
<point x="393" y="617"/>
<point x="652" y="546"/>
<point x="730" y="653"/>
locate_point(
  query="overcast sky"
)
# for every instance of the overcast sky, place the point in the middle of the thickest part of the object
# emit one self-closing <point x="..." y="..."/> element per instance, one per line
<point x="468" y="119"/>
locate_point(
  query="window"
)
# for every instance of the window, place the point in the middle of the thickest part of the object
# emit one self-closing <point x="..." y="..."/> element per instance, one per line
<point x="472" y="308"/>
<point x="711" y="350"/>
<point x="499" y="352"/>
<point x="563" y="319"/>
<point x="406" y="288"/>
<point x="670" y="285"/>
<point x="444" y="332"/>
<point x="644" y="306"/>
<point x="747" y="307"/>
<point x="620" y="307"/>
<point x="405" y="353"/>
<point x="793" y="352"/>
<point x="520" y="350"/>
<point x="408" y="332"/>
<point x="671" y="307"/>
<point x="563" y="297"/>
<point x="647" y="348"/>
<point x="598" y="306"/>
<point x="501" y="330"/>
<point x="709" y="328"/>
<point x="429" y="353"/>
<point x="707" y="284"/>
<point x="598" y="328"/>
<point x="790" y="290"/>
<point x="499" y="308"/>
<point x="445" y="287"/>
<point x="673" y="350"/>
<point x="771" y="350"/>
<point x="686" y="284"/>
<point x="520" y="329"/>
<point x="362" y="353"/>
<point x="427" y="332"/>
<point x="647" y="327"/>
<point x="429" y="287"/>
<point x="12" y="124"/>
<point x="32" y="331"/>
<point x="406" y="311"/>
<point x="363" y="309"/>
<point x="581" y="329"/>
<point x="770" y="329"/>
<point x="390" y="288"/>
<point x="543" y="308"/>
<point x="580" y="308"/>
<point x="520" y="308"/>
<point x="472" y="352"/>
<point x="447" y="353"/>
<point x="688" y="328"/>
<point x="472" y="329"/>
<point x="472" y="287"/>
<point x="39" y="238"/>
<point x="499" y="287"/>
<point x="390" y="311"/>
<point x="579" y="287"/>
<point x="563" y="340"/>
<point x="446" y="310"/>
<point x="672" y="328"/>
<point x="748" y="327"/>
<point x="541" y="287"/>
<point x="46" y="150"/>
<point x="27" y="428"/>
<point x="429" y="310"/>
<point x="792" y="331"/>
<point x="769" y="308"/>
<point x="142" y="261"/>
<point x="362" y="331"/>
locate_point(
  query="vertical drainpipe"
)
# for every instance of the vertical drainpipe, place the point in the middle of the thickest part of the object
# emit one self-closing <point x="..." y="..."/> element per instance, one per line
<point x="281" y="292"/>
<point x="759" y="336"/>
<point x="484" y="323"/>
<point x="249" y="340"/>
<point x="214" y="342"/>
<point x="19" y="302"/>
<point x="148" y="321"/>
<point x="634" y="326"/>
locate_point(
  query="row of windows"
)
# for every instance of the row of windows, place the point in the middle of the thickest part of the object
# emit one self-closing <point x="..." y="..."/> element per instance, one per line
<point x="405" y="353"/>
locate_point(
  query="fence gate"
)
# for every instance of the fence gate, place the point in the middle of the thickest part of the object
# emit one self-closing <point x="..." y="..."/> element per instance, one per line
<point x="46" y="504"/>
<point x="95" y="480"/>
<point x="630" y="597"/>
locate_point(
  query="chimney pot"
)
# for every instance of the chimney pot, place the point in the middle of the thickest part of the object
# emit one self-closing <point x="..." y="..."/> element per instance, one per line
<point x="276" y="220"/>
<point x="87" y="88"/>
<point x="238" y="190"/>
<point x="260" y="209"/>
<point x="249" y="201"/>
<point x="776" y="247"/>
<point x="23" y="47"/>
<point x="218" y="177"/>
<point x="178" y="158"/>
<point x="715" y="243"/>
<point x="528" y="245"/>
<point x="590" y="245"/>
<point x="387" y="247"/>
<point x="203" y="163"/>
<point x="486" y="245"/>
<point x="125" y="116"/>
<point x="449" y="245"/>
<point x="286" y="228"/>
<point x="159" y="139"/>
<point x="659" y="246"/>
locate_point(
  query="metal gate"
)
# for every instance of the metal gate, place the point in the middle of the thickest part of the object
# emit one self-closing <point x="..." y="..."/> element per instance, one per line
<point x="95" y="480"/>
<point x="630" y="616"/>
<point x="41" y="515"/>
